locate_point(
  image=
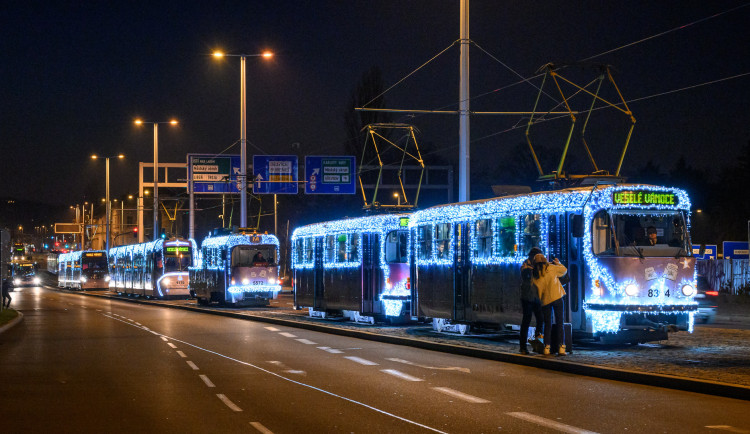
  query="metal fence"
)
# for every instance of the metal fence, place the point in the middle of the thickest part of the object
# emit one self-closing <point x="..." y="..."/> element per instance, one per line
<point x="731" y="276"/>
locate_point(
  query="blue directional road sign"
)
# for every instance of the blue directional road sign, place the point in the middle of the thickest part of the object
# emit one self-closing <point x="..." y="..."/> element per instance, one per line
<point x="214" y="174"/>
<point x="709" y="253"/>
<point x="735" y="249"/>
<point x="329" y="175"/>
<point x="275" y="174"/>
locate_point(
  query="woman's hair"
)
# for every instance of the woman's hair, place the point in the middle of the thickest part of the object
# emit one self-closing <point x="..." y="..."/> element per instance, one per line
<point x="540" y="266"/>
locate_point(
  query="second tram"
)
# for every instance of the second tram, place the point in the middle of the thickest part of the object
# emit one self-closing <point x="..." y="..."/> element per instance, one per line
<point x="83" y="270"/>
<point x="237" y="269"/>
<point x="357" y="268"/>
<point x="156" y="269"/>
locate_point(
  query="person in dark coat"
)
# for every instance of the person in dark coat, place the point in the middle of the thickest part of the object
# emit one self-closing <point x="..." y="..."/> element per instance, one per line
<point x="530" y="303"/>
<point x="6" y="293"/>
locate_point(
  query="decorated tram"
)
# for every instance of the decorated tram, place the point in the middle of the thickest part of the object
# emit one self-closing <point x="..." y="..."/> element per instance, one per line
<point x="239" y="269"/>
<point x="356" y="268"/>
<point x="466" y="257"/>
<point x="83" y="269"/>
<point x="157" y="269"/>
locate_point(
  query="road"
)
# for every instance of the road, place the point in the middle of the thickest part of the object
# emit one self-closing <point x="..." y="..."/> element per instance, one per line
<point x="89" y="364"/>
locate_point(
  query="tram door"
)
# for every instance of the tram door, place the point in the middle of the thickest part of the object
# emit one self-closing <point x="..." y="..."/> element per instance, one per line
<point x="318" y="286"/>
<point x="370" y="270"/>
<point x="461" y="271"/>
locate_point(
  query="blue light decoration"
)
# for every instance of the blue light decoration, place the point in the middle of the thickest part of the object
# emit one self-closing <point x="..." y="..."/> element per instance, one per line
<point x="590" y="200"/>
<point x="395" y="294"/>
<point x="143" y="250"/>
<point x="212" y="247"/>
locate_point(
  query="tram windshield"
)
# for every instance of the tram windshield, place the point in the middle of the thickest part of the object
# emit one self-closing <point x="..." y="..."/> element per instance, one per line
<point x="94" y="264"/>
<point x="24" y="270"/>
<point x="640" y="234"/>
<point x="177" y="258"/>
<point x="396" y="246"/>
<point x="253" y="256"/>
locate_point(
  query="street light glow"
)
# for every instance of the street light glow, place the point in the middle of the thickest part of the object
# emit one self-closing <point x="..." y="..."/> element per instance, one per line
<point x="173" y="122"/>
<point x="218" y="54"/>
<point x="121" y="156"/>
<point x="267" y="54"/>
<point x="94" y="157"/>
<point x="138" y="122"/>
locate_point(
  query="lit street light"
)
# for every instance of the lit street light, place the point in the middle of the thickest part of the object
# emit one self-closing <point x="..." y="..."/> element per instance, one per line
<point x="94" y="157"/>
<point x="243" y="129"/>
<point x="156" y="169"/>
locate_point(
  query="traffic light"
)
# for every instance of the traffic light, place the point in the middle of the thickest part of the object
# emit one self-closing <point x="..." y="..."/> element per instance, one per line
<point x="135" y="232"/>
<point x="163" y="234"/>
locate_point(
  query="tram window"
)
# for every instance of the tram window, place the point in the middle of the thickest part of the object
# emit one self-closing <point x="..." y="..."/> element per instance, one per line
<point x="532" y="232"/>
<point x="353" y="250"/>
<point x="602" y="238"/>
<point x="341" y="248"/>
<point x="424" y="240"/>
<point x="309" y="250"/>
<point x="443" y="239"/>
<point x="552" y="243"/>
<point x="330" y="248"/>
<point x="396" y="247"/>
<point x="506" y="236"/>
<point x="253" y="256"/>
<point x="483" y="239"/>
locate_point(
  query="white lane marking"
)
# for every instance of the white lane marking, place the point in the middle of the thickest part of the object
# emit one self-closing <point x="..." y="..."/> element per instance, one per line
<point x="295" y="371"/>
<point x="729" y="428"/>
<point x="259" y="426"/>
<point x="301" y="384"/>
<point x="271" y="329"/>
<point x="460" y="395"/>
<point x="192" y="365"/>
<point x="171" y="345"/>
<point x="164" y="339"/>
<point x="447" y="368"/>
<point x="549" y="423"/>
<point x="229" y="403"/>
<point x="330" y="350"/>
<point x="181" y="354"/>
<point x="360" y="360"/>
<point x="207" y="381"/>
<point x="288" y="335"/>
<point x="400" y="374"/>
<point x="137" y="323"/>
<point x="306" y="341"/>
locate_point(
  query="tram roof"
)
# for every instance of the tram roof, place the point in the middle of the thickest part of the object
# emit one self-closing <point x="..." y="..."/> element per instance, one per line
<point x="373" y="223"/>
<point x="72" y="256"/>
<point x="232" y="240"/>
<point x="568" y="199"/>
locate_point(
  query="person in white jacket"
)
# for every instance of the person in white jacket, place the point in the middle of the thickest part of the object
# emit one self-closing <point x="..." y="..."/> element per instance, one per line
<point x="545" y="277"/>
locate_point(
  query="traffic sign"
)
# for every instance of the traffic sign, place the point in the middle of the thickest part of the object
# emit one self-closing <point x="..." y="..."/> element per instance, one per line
<point x="708" y="253"/>
<point x="329" y="175"/>
<point x="67" y="228"/>
<point x="274" y="174"/>
<point x="214" y="174"/>
<point x="735" y="249"/>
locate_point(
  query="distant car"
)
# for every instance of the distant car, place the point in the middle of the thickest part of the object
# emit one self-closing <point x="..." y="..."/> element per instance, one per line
<point x="707" y="299"/>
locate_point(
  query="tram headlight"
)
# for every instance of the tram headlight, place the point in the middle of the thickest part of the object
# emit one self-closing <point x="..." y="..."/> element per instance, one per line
<point x="82" y="279"/>
<point x="107" y="278"/>
<point x="37" y="281"/>
<point x="688" y="290"/>
<point x="271" y="281"/>
<point x="166" y="281"/>
<point x="17" y="282"/>
<point x="245" y="281"/>
<point x="631" y="290"/>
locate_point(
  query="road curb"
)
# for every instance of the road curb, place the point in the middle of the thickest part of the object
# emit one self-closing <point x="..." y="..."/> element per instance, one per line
<point x="12" y="322"/>
<point x="551" y="363"/>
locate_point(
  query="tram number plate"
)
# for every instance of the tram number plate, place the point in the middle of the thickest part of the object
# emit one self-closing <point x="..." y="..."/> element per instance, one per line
<point x="656" y="292"/>
<point x="258" y="282"/>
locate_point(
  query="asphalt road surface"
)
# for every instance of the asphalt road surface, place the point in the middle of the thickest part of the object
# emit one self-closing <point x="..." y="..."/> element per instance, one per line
<point x="89" y="364"/>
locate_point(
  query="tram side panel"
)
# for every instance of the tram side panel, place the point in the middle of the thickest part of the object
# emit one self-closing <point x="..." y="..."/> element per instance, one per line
<point x="495" y="294"/>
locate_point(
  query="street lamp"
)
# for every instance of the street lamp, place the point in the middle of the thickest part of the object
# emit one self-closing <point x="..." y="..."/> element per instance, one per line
<point x="156" y="168"/>
<point x="243" y="129"/>
<point x="398" y="197"/>
<point x="106" y="159"/>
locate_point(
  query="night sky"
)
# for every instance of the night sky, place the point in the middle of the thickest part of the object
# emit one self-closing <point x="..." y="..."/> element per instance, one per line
<point x="74" y="75"/>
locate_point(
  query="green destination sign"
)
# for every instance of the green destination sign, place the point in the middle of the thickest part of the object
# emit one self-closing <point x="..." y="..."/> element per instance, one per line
<point x="644" y="197"/>
<point x="178" y="249"/>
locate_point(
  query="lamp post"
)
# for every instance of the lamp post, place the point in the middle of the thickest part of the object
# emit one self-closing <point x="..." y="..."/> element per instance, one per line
<point x="106" y="159"/>
<point x="243" y="129"/>
<point x="156" y="169"/>
<point x="398" y="198"/>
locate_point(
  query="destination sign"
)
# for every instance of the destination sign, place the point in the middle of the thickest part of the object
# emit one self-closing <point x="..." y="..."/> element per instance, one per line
<point x="93" y="255"/>
<point x="178" y="249"/>
<point x="403" y="222"/>
<point x="644" y="197"/>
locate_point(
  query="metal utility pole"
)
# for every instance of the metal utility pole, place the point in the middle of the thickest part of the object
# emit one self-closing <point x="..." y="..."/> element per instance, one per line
<point x="464" y="166"/>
